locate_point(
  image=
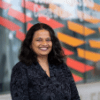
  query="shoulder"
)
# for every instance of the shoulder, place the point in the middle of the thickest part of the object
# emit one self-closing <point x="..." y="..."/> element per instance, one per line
<point x="64" y="66"/>
<point x="19" y="66"/>
<point x="18" y="74"/>
<point x="66" y="69"/>
<point x="19" y="70"/>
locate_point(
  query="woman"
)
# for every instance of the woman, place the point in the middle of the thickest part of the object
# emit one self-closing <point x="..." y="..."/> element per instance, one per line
<point x="41" y="73"/>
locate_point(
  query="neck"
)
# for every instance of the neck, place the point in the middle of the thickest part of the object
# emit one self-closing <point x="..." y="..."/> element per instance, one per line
<point x="42" y="59"/>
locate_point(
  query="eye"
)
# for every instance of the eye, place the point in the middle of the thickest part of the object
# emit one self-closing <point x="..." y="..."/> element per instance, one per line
<point x="48" y="40"/>
<point x="39" y="40"/>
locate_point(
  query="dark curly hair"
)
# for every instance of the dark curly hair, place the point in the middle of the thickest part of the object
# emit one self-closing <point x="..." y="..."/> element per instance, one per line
<point x="28" y="56"/>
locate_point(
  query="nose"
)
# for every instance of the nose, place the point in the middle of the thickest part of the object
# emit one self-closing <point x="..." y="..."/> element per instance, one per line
<point x="44" y="42"/>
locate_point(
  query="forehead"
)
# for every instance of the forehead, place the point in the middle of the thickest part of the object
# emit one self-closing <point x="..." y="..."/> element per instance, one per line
<point x="42" y="33"/>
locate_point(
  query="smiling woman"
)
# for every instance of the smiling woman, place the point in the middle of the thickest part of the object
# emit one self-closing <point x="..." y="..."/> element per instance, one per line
<point x="41" y="43"/>
<point x="39" y="36"/>
<point x="41" y="73"/>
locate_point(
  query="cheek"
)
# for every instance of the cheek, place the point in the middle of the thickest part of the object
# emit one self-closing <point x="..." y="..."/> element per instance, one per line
<point x="36" y="44"/>
<point x="51" y="44"/>
<point x="34" y="47"/>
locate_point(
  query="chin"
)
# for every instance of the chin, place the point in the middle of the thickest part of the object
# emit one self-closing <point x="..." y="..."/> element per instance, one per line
<point x="44" y="54"/>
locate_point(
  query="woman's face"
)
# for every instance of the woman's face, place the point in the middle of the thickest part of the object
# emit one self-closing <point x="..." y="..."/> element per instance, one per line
<point x="41" y="43"/>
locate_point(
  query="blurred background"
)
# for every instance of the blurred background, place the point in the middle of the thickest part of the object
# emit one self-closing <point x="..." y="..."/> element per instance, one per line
<point x="77" y="26"/>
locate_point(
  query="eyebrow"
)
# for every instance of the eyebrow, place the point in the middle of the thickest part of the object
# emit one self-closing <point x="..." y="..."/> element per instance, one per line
<point x="41" y="38"/>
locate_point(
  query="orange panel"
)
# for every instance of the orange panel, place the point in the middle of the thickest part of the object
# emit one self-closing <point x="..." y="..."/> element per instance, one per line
<point x="94" y="44"/>
<point x="88" y="55"/>
<point x="94" y="7"/>
<point x="9" y="24"/>
<point x="78" y="66"/>
<point x="99" y="29"/>
<point x="4" y="5"/>
<point x="20" y="35"/>
<point x="19" y="15"/>
<point x="29" y="25"/>
<point x="69" y="40"/>
<point x="67" y="52"/>
<point x="32" y="6"/>
<point x="77" y="78"/>
<point x="80" y="28"/>
<point x="51" y="22"/>
<point x="58" y="11"/>
<point x="87" y="17"/>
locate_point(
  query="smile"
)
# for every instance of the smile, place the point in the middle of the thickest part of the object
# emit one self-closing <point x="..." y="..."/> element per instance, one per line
<point x="44" y="49"/>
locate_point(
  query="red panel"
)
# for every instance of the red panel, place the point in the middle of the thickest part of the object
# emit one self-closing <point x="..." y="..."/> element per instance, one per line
<point x="32" y="6"/>
<point x="81" y="67"/>
<point x="29" y="25"/>
<point x="53" y="23"/>
<point x="20" y="35"/>
<point x="67" y="52"/>
<point x="19" y="15"/>
<point x="4" y="5"/>
<point x="8" y="24"/>
<point x="77" y="78"/>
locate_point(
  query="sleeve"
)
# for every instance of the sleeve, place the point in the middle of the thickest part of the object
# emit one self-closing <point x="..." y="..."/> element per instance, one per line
<point x="74" y="91"/>
<point x="19" y="84"/>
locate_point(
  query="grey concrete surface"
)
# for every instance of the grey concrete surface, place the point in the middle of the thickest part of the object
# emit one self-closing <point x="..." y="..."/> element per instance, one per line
<point x="89" y="91"/>
<point x="5" y="97"/>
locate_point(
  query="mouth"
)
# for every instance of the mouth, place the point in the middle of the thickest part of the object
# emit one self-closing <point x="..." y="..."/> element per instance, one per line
<point x="43" y="49"/>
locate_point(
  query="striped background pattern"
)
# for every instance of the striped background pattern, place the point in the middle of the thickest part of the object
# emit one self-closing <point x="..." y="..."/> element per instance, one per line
<point x="75" y="37"/>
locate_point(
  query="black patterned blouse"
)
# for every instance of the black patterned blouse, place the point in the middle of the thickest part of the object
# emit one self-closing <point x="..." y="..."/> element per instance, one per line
<point x="32" y="83"/>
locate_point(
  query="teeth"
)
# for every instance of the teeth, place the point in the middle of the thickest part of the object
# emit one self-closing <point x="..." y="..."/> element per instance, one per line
<point x="43" y="48"/>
